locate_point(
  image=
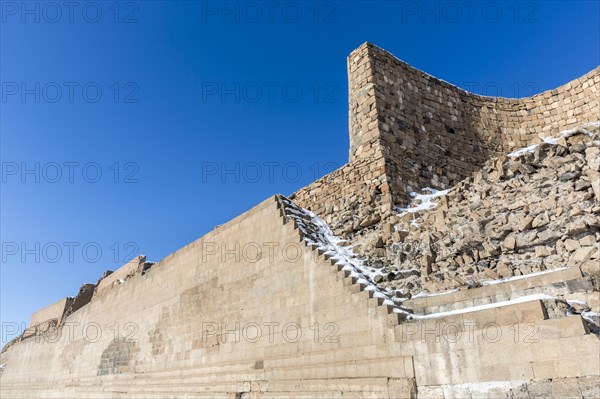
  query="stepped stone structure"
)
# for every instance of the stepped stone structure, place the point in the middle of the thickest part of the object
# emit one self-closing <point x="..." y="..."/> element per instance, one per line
<point x="288" y="300"/>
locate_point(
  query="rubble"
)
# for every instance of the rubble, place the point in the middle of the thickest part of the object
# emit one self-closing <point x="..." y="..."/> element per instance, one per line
<point x="534" y="210"/>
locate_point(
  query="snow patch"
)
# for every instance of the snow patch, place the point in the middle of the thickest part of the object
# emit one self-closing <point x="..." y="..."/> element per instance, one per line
<point x="576" y="302"/>
<point x="591" y="316"/>
<point x="491" y="282"/>
<point x="536" y="297"/>
<point x="504" y="280"/>
<point x="523" y="151"/>
<point x="581" y="129"/>
<point x="554" y="140"/>
<point x="426" y="294"/>
<point x="425" y="199"/>
<point x="550" y="140"/>
<point x="593" y="321"/>
<point x="425" y="203"/>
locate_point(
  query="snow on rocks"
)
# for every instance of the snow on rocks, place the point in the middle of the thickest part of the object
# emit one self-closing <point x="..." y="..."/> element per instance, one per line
<point x="424" y="199"/>
<point x="526" y="150"/>
<point x="532" y="212"/>
<point x="556" y="140"/>
<point x="424" y="203"/>
<point x="522" y="214"/>
<point x="504" y="280"/>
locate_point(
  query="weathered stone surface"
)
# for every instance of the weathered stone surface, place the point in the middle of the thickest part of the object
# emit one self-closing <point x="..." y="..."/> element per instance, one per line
<point x="592" y="157"/>
<point x="487" y="228"/>
<point x="506" y="215"/>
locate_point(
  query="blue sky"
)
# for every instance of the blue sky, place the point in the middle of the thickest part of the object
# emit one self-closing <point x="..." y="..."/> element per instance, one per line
<point x="136" y="127"/>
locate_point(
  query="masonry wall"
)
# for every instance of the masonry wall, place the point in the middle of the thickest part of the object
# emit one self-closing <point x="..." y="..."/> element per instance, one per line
<point x="166" y="311"/>
<point x="122" y="273"/>
<point x="433" y="134"/>
<point x="54" y="311"/>
<point x="351" y="198"/>
<point x="161" y="334"/>
<point x="409" y="130"/>
<point x="84" y="297"/>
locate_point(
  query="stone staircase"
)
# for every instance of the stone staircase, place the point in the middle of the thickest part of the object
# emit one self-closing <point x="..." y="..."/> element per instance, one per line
<point x="510" y="294"/>
<point x="361" y="291"/>
<point x="521" y="326"/>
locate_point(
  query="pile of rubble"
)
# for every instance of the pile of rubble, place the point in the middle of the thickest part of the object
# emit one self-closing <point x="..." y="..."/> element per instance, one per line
<point x="532" y="210"/>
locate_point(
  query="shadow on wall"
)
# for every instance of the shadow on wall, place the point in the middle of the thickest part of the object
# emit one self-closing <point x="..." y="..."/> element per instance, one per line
<point x="409" y="130"/>
<point x="433" y="134"/>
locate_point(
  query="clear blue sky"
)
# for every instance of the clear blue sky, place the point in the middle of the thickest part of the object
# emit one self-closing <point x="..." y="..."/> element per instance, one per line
<point x="169" y="95"/>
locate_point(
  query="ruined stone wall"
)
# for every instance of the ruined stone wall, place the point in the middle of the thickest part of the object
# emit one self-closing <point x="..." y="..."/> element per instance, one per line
<point x="50" y="312"/>
<point x="83" y="297"/>
<point x="409" y="130"/>
<point x="350" y="198"/>
<point x="120" y="275"/>
<point x="357" y="195"/>
<point x="297" y="326"/>
<point x="434" y="134"/>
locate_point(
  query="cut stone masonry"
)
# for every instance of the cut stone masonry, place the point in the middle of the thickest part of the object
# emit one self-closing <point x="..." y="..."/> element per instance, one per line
<point x="513" y="245"/>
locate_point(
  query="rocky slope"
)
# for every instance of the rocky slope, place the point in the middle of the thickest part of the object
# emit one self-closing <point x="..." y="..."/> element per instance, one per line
<point x="532" y="210"/>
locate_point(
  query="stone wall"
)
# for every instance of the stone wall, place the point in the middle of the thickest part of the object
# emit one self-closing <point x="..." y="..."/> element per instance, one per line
<point x="219" y="319"/>
<point x="251" y="310"/>
<point x="51" y="312"/>
<point x="351" y="198"/>
<point x="120" y="275"/>
<point x="173" y="344"/>
<point x="418" y="131"/>
<point x="83" y="297"/>
<point x="409" y="130"/>
<point x="434" y="134"/>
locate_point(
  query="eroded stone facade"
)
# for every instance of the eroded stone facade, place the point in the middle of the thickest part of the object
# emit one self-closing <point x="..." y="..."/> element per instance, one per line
<point x="284" y="316"/>
<point x="409" y="130"/>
